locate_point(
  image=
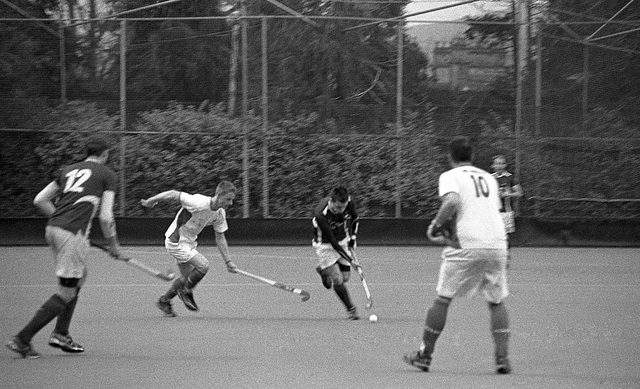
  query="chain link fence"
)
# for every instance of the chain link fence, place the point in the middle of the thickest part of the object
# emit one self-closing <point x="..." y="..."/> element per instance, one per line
<point x="287" y="107"/>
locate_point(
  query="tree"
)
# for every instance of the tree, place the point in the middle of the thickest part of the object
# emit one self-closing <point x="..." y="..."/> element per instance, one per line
<point x="324" y="62"/>
<point x="611" y="57"/>
<point x="613" y="63"/>
<point x="182" y="60"/>
<point x="29" y="58"/>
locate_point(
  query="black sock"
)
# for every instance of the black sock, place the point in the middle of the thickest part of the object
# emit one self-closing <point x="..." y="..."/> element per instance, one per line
<point x="64" y="318"/>
<point x="47" y="312"/>
<point x="500" y="329"/>
<point x="173" y="290"/>
<point x="194" y="277"/>
<point x="343" y="294"/>
<point x="434" y="324"/>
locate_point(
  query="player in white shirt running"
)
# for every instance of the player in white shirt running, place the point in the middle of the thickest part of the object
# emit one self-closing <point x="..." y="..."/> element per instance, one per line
<point x="475" y="258"/>
<point x="181" y="239"/>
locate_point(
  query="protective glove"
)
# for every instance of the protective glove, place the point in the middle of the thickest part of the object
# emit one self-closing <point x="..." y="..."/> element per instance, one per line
<point x="352" y="242"/>
<point x="231" y="267"/>
<point x="114" y="252"/>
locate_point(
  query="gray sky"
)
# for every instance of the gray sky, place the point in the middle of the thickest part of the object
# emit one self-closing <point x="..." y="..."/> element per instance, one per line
<point x="455" y="13"/>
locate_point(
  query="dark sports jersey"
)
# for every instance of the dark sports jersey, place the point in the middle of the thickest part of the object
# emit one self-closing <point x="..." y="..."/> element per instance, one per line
<point x="506" y="181"/>
<point x="330" y="227"/>
<point x="81" y="186"/>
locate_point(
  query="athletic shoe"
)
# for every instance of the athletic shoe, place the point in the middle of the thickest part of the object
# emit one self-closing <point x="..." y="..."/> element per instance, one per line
<point x="353" y="314"/>
<point x="326" y="280"/>
<point x="187" y="299"/>
<point x="65" y="343"/>
<point x="24" y="349"/>
<point x="165" y="306"/>
<point x="503" y="366"/>
<point x="419" y="360"/>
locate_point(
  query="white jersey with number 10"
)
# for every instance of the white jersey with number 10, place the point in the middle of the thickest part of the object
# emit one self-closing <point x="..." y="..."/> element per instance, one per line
<point x="479" y="224"/>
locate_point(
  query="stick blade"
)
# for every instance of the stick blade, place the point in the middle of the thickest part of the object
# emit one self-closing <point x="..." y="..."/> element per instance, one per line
<point x="167" y="276"/>
<point x="303" y="293"/>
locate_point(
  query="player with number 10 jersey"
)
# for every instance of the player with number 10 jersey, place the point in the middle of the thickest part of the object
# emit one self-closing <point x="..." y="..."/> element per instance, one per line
<point x="479" y="224"/>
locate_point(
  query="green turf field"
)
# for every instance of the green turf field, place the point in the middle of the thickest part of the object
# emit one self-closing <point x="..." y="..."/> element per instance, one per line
<point x="574" y="312"/>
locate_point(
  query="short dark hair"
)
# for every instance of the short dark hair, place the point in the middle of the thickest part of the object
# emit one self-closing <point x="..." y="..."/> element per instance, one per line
<point x="499" y="156"/>
<point x="460" y="149"/>
<point x="340" y="194"/>
<point x="225" y="187"/>
<point x="95" y="145"/>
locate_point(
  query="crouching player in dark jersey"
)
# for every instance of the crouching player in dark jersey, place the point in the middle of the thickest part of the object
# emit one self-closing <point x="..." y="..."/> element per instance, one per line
<point x="80" y="190"/>
<point x="335" y="225"/>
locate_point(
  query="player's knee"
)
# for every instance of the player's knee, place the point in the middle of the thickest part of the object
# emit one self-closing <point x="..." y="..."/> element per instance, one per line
<point x="71" y="283"/>
<point x="345" y="272"/>
<point x="204" y="268"/>
<point x="337" y="278"/>
<point x="200" y="263"/>
<point x="495" y="305"/>
<point x="68" y="288"/>
<point x="443" y="300"/>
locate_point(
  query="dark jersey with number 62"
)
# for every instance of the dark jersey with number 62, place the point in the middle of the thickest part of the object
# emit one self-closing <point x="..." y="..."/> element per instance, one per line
<point x="81" y="187"/>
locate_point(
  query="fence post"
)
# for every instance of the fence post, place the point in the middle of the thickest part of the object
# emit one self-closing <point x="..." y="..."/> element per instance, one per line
<point x="538" y="102"/>
<point x="522" y="24"/>
<point x="265" y="123"/>
<point x="585" y="85"/>
<point x="399" y="93"/>
<point x="233" y="67"/>
<point x="123" y="112"/>
<point x="245" y="111"/>
<point x="63" y="65"/>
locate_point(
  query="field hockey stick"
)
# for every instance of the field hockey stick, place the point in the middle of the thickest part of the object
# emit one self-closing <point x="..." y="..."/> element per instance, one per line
<point x="358" y="267"/>
<point x="166" y="276"/>
<point x="303" y="293"/>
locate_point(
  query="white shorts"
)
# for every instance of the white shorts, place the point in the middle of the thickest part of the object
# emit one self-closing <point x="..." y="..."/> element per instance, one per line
<point x="464" y="272"/>
<point x="182" y="252"/>
<point x="509" y="221"/>
<point x="328" y="256"/>
<point x="69" y="250"/>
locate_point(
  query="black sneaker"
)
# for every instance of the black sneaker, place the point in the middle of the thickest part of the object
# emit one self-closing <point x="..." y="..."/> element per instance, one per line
<point x="187" y="299"/>
<point x="326" y="280"/>
<point x="352" y="314"/>
<point x="65" y="343"/>
<point x="503" y="366"/>
<point x="25" y="350"/>
<point x="165" y="306"/>
<point x="417" y="359"/>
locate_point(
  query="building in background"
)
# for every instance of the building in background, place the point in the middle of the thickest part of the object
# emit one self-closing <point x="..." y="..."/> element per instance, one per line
<point x="464" y="65"/>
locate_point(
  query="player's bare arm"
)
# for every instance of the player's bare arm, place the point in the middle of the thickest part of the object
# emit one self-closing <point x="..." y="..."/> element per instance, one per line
<point x="169" y="195"/>
<point x="44" y="199"/>
<point x="516" y="191"/>
<point x="448" y="208"/>
<point x="108" y="223"/>
<point x="223" y="247"/>
<point x="353" y="228"/>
